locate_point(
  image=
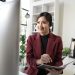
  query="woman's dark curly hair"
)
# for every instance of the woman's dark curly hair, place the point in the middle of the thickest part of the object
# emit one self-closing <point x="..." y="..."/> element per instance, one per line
<point x="48" y="17"/>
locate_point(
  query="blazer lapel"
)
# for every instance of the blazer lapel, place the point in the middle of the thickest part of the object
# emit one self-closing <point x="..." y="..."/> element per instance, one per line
<point x="50" y="44"/>
<point x="38" y="44"/>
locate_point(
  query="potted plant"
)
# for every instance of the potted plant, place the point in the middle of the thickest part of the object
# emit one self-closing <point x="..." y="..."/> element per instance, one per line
<point x="65" y="51"/>
<point x="22" y="48"/>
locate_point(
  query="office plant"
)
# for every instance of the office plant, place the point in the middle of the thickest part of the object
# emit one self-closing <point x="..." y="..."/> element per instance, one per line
<point x="22" y="47"/>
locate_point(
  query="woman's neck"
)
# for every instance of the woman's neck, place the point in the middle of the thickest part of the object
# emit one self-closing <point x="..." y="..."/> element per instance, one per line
<point x="43" y="34"/>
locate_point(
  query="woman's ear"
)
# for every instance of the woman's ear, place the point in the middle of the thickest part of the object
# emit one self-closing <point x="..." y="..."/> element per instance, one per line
<point x="51" y="28"/>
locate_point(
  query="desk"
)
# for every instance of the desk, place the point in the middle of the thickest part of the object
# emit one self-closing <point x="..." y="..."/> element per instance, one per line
<point x="70" y="69"/>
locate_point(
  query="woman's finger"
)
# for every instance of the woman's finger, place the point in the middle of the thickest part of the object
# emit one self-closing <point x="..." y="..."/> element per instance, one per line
<point x="46" y="57"/>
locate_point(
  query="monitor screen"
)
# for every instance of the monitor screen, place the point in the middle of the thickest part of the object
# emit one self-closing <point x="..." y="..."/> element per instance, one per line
<point x="9" y="37"/>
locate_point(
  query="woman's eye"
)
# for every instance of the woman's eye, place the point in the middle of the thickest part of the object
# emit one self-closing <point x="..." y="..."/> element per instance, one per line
<point x="44" y="22"/>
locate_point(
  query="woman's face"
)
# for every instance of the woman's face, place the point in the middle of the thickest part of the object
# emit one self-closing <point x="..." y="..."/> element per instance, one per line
<point x="42" y="26"/>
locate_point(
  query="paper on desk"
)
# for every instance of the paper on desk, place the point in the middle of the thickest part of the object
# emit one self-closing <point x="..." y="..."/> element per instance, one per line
<point x="67" y="60"/>
<point x="54" y="67"/>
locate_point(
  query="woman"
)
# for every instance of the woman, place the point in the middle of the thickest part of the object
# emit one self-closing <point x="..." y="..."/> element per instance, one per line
<point x="43" y="47"/>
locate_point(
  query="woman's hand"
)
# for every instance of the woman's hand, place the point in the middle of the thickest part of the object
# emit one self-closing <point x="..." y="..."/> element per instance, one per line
<point x="46" y="58"/>
<point x="53" y="71"/>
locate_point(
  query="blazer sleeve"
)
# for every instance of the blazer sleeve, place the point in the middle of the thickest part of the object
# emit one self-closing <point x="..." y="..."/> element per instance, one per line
<point x="31" y="61"/>
<point x="58" y="52"/>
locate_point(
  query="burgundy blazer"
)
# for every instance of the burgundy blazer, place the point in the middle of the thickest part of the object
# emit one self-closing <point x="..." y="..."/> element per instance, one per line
<point x="33" y="50"/>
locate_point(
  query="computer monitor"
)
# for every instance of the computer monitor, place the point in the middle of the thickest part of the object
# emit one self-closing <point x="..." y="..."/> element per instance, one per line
<point x="9" y="37"/>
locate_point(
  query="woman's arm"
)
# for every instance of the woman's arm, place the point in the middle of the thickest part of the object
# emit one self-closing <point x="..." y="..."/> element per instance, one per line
<point x="31" y="61"/>
<point x="58" y="54"/>
<point x="58" y="57"/>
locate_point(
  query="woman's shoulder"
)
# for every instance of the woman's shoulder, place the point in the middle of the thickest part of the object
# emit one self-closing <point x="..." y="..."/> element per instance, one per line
<point x="33" y="36"/>
<point x="56" y="36"/>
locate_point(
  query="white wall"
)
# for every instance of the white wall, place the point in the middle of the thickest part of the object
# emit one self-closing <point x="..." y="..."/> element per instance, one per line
<point x="26" y="4"/>
<point x="68" y="22"/>
<point x="61" y="10"/>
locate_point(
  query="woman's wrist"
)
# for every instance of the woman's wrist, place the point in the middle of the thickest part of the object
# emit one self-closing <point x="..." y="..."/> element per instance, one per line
<point x="39" y="61"/>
